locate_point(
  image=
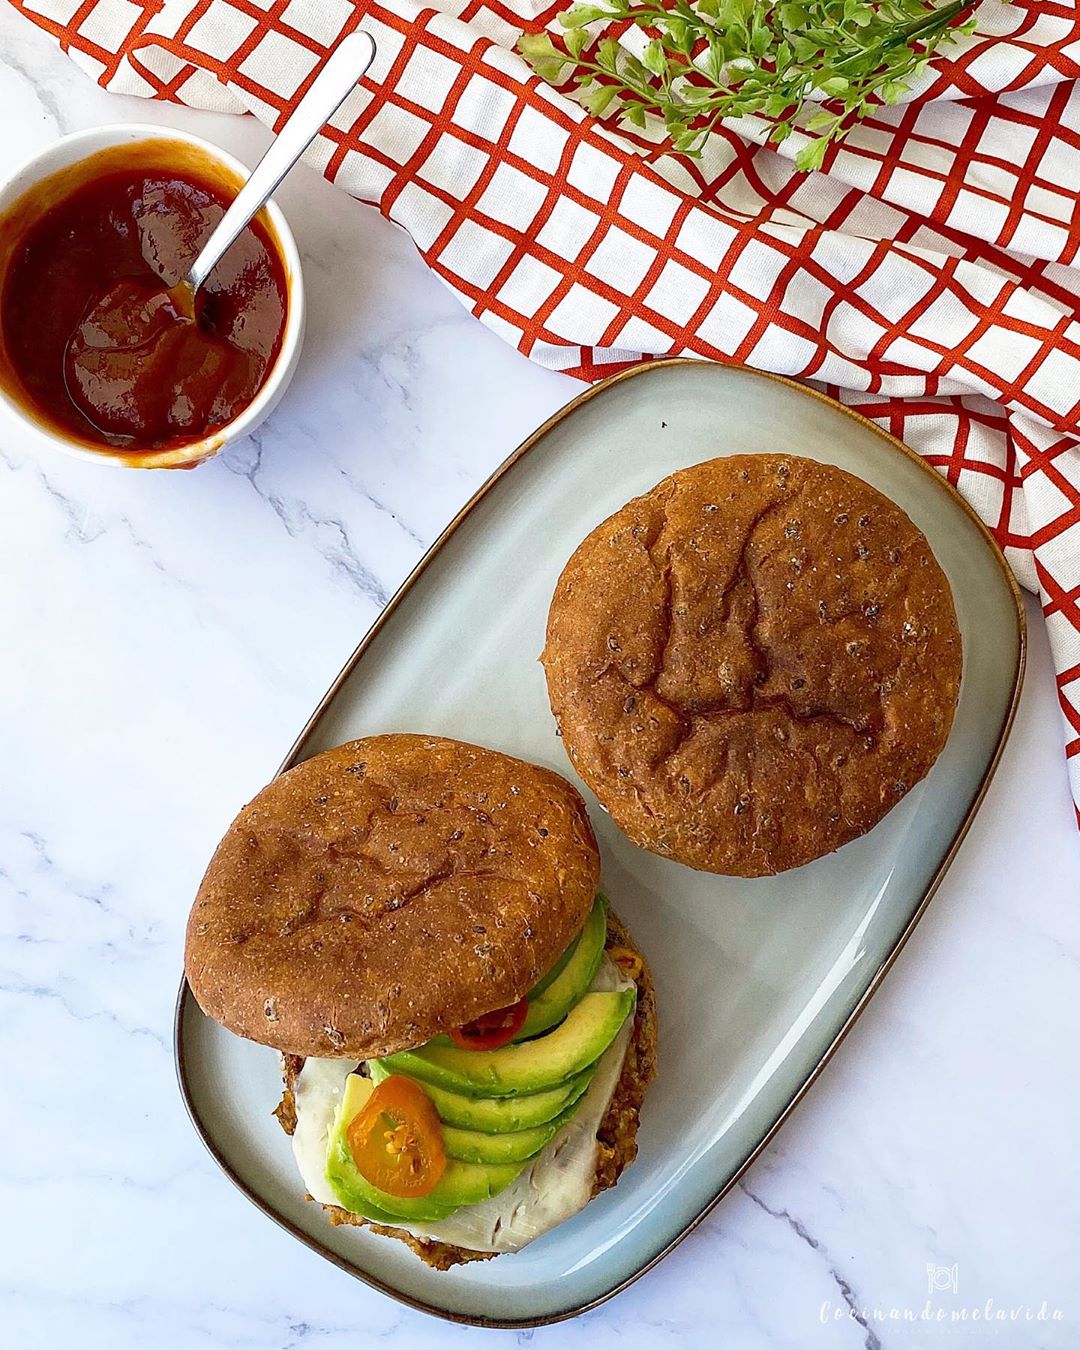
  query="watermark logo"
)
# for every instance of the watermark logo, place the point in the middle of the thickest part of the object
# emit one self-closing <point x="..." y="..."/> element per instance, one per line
<point x="979" y="1319"/>
<point x="942" y="1279"/>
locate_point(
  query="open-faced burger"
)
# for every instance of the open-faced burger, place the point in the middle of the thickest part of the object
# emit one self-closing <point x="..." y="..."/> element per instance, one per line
<point x="466" y="1030"/>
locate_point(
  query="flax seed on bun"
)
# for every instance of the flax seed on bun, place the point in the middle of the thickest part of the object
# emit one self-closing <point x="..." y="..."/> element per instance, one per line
<point x="386" y="891"/>
<point x="751" y="664"/>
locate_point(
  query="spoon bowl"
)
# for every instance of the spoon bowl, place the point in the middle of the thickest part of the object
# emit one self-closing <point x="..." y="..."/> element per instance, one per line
<point x="182" y="298"/>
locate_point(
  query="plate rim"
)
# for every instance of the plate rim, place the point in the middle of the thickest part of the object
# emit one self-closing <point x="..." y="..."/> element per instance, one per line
<point x="294" y="754"/>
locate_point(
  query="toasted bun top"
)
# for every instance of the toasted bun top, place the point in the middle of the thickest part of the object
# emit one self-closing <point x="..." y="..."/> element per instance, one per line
<point x="753" y="662"/>
<point x="386" y="891"/>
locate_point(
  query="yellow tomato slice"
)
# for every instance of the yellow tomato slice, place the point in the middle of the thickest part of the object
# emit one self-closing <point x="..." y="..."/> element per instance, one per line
<point x="396" y="1139"/>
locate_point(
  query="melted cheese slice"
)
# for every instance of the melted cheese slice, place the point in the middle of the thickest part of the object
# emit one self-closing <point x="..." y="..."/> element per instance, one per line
<point x="553" y="1187"/>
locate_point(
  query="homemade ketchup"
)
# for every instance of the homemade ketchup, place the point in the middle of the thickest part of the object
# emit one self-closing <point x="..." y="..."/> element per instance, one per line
<point x="98" y="349"/>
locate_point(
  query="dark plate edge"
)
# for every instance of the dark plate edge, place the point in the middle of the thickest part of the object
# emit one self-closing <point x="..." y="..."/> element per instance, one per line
<point x="295" y="754"/>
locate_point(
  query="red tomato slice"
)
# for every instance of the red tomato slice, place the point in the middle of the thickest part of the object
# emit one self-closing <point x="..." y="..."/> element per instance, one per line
<point x="493" y="1029"/>
<point x="396" y="1139"/>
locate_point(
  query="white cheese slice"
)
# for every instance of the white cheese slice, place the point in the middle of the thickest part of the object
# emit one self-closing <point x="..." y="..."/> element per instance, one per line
<point x="555" y="1185"/>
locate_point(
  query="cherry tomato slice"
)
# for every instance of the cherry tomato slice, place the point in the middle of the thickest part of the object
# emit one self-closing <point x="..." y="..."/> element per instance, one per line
<point x="493" y="1029"/>
<point x="396" y="1140"/>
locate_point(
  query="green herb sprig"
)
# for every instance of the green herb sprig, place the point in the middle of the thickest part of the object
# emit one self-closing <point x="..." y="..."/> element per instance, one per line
<point x="811" y="65"/>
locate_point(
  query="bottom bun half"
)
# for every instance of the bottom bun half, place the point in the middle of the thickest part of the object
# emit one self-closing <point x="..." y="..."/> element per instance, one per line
<point x="617" y="1133"/>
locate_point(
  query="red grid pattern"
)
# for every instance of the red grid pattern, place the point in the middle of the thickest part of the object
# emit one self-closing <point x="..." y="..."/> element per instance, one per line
<point x="927" y="276"/>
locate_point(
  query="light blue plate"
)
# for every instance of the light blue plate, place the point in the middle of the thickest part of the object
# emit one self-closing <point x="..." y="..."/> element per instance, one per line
<point x="757" y="980"/>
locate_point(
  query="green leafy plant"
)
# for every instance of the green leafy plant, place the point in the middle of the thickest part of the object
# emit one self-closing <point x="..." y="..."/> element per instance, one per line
<point x="811" y="65"/>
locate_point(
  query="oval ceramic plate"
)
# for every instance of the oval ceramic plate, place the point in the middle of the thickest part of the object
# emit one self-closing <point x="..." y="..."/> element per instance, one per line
<point x="757" y="980"/>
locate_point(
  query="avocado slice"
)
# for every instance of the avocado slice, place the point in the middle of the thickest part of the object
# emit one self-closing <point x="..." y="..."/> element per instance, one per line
<point x="533" y="1066"/>
<point x="554" y="971"/>
<point x="497" y="1115"/>
<point x="372" y="1212"/>
<point x="513" y="1146"/>
<point x="551" y="1005"/>
<point x="463" y="1183"/>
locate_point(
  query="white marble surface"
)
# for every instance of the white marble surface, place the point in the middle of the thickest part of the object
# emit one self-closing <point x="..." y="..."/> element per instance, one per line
<point x="166" y="636"/>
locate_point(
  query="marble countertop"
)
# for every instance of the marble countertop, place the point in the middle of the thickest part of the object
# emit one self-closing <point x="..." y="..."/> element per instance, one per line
<point x="167" y="635"/>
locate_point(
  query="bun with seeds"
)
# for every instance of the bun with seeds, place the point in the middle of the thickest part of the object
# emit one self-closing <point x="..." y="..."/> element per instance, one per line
<point x="385" y="891"/>
<point x="751" y="664"/>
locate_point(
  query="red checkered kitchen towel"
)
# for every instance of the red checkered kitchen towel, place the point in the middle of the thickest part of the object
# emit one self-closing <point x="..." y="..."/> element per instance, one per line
<point x="927" y="277"/>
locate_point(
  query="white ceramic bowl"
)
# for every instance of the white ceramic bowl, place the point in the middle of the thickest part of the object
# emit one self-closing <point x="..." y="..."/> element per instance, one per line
<point x="51" y="163"/>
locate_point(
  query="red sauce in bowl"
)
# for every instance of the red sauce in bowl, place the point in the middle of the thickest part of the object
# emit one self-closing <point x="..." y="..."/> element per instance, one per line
<point x="96" y="347"/>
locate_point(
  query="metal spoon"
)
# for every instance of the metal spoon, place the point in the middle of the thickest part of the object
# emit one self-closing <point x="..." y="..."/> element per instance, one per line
<point x="344" y="66"/>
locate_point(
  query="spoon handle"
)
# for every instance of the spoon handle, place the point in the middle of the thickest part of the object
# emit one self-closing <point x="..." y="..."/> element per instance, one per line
<point x="344" y="66"/>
